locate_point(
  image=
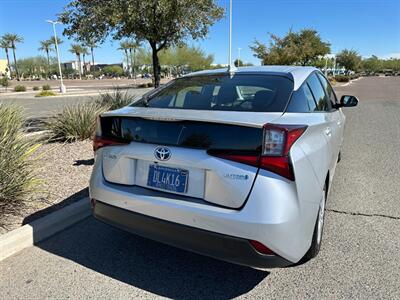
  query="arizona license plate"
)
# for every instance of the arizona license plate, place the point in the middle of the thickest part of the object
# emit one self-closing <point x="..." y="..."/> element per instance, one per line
<point x="170" y="179"/>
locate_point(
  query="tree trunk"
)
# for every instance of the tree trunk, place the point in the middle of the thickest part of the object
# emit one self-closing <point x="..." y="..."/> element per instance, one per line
<point x="91" y="51"/>
<point x="156" y="65"/>
<point x="84" y="67"/>
<point x="79" y="66"/>
<point x="15" y="62"/>
<point x="48" y="62"/>
<point x="8" y="61"/>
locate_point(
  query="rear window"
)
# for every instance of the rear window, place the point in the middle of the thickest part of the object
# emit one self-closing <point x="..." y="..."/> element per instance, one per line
<point x="242" y="92"/>
<point x="190" y="134"/>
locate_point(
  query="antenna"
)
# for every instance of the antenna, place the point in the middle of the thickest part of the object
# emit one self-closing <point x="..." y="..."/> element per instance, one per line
<point x="231" y="67"/>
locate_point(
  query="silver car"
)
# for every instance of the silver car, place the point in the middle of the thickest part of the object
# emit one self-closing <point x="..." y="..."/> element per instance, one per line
<point x="233" y="165"/>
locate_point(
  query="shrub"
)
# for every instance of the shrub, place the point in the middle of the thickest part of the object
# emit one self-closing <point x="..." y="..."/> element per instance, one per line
<point x="75" y="122"/>
<point x="114" y="99"/>
<point x="142" y="85"/>
<point x="19" y="88"/>
<point x="5" y="82"/>
<point x="46" y="87"/>
<point x="17" y="177"/>
<point x="342" y="78"/>
<point x="150" y="84"/>
<point x="35" y="88"/>
<point x="45" y="94"/>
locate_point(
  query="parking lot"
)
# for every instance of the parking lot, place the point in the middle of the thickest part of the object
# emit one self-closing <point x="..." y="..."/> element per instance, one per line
<point x="359" y="257"/>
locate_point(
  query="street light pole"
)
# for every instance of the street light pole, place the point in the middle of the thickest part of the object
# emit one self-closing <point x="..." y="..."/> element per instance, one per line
<point x="62" y="87"/>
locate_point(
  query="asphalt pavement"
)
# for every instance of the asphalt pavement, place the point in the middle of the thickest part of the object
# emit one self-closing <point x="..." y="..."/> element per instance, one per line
<point x="359" y="258"/>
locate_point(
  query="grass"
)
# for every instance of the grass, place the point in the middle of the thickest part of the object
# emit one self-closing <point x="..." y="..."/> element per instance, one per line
<point x="75" y="123"/>
<point x="45" y="94"/>
<point x="17" y="166"/>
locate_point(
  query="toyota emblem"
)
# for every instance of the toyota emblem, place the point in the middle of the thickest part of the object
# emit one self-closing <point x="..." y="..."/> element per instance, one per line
<point x="162" y="153"/>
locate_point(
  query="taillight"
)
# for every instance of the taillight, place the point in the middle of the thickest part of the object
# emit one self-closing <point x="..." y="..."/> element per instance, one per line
<point x="99" y="142"/>
<point x="277" y="141"/>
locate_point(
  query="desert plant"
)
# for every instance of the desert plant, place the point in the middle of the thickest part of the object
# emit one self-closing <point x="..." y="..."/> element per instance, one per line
<point x="115" y="99"/>
<point x="45" y="94"/>
<point x="75" y="122"/>
<point x="46" y="87"/>
<point x="342" y="78"/>
<point x="35" y="88"/>
<point x="4" y="82"/>
<point x="17" y="172"/>
<point x="19" y="88"/>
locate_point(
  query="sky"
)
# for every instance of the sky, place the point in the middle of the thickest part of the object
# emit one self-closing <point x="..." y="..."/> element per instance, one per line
<point x="368" y="26"/>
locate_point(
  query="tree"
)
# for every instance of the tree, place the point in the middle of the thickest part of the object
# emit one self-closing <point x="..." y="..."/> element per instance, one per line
<point x="5" y="45"/>
<point x="84" y="53"/>
<point x="13" y="39"/>
<point x="372" y="64"/>
<point x="91" y="44"/>
<point x="238" y="63"/>
<point x="350" y="59"/>
<point x="113" y="70"/>
<point x="125" y="46"/>
<point x="133" y="45"/>
<point x="53" y="41"/>
<point x="77" y="50"/>
<point x="46" y="47"/>
<point x="162" y="23"/>
<point x="296" y="48"/>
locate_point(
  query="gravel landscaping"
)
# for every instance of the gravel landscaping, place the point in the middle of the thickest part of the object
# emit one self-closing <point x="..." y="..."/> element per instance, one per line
<point x="64" y="169"/>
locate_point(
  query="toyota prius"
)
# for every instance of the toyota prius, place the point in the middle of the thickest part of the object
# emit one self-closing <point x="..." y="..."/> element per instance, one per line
<point x="236" y="165"/>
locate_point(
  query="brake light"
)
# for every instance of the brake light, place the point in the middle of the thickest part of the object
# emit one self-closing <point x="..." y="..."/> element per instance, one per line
<point x="277" y="141"/>
<point x="100" y="142"/>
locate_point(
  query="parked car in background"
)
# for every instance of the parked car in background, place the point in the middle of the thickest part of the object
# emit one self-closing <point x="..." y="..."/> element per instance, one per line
<point x="233" y="165"/>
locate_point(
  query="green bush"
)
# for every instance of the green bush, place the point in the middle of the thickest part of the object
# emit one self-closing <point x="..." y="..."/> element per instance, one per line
<point x="35" y="88"/>
<point x="75" y="122"/>
<point x="45" y="94"/>
<point x="4" y="82"/>
<point x="115" y="99"/>
<point x="19" y="88"/>
<point x="46" y="87"/>
<point x="342" y="78"/>
<point x="17" y="172"/>
<point x="113" y="71"/>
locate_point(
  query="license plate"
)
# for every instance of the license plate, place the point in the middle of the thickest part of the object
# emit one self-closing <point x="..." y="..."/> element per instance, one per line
<point x="170" y="179"/>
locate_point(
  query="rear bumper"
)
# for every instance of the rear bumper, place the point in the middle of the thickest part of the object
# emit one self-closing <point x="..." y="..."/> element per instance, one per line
<point x="216" y="245"/>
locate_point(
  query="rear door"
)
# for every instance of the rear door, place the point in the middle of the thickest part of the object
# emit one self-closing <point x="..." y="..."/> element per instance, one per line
<point x="330" y="127"/>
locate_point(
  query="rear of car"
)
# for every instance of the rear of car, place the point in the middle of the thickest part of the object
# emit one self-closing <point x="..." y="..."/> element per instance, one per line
<point x="210" y="163"/>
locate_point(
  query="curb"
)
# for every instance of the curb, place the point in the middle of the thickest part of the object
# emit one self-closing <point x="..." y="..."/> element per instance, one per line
<point x="38" y="230"/>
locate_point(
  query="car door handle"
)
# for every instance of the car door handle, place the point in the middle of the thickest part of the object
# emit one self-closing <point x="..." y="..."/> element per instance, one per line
<point x="328" y="131"/>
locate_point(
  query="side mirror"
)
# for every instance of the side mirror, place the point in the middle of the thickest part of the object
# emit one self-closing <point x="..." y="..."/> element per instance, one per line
<point x="348" y="101"/>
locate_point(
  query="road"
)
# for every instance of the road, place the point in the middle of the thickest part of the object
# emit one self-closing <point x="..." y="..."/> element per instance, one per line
<point x="359" y="256"/>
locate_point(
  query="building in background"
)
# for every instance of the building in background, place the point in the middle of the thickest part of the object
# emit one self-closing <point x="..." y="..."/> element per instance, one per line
<point x="3" y="68"/>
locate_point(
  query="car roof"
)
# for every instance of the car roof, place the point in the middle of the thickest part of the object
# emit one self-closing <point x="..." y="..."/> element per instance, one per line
<point x="297" y="73"/>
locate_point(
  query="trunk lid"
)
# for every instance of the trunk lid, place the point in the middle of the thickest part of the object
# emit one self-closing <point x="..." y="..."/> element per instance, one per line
<point x="191" y="137"/>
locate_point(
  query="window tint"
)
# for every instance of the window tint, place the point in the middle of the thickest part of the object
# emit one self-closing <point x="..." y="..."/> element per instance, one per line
<point x="319" y="93"/>
<point x="302" y="100"/>
<point x="328" y="89"/>
<point x="242" y="92"/>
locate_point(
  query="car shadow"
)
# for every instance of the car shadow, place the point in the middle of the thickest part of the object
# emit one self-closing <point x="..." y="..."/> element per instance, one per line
<point x="149" y="265"/>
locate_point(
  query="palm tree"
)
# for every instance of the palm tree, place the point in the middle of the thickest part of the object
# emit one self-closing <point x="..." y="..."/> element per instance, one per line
<point x="133" y="45"/>
<point x="53" y="41"/>
<point x="13" y="39"/>
<point x="77" y="50"/>
<point x="5" y="45"/>
<point x="91" y="46"/>
<point x="125" y="46"/>
<point x="84" y="53"/>
<point x="46" y="47"/>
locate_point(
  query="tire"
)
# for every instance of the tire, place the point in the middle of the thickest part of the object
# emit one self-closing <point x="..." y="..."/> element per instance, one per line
<point x="318" y="231"/>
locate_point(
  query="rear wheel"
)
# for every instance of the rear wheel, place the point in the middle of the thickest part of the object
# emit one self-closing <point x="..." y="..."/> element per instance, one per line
<point x="318" y="230"/>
